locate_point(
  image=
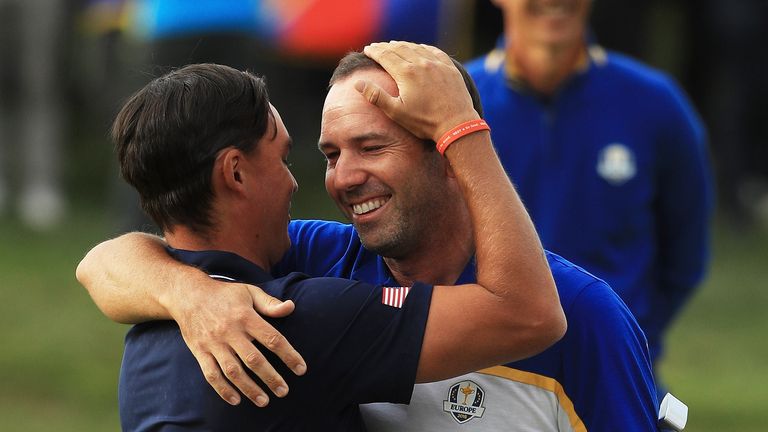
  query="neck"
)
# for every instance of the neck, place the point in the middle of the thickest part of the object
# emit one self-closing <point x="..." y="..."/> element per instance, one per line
<point x="445" y="253"/>
<point x="217" y="239"/>
<point x="541" y="66"/>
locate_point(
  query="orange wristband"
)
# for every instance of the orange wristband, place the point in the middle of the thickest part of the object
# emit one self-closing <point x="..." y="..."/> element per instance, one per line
<point x="459" y="131"/>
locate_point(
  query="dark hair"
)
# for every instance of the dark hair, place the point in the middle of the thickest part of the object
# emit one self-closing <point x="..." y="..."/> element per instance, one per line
<point x="169" y="133"/>
<point x="357" y="61"/>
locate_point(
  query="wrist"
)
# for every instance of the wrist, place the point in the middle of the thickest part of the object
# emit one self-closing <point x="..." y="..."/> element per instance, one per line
<point x="459" y="131"/>
<point x="179" y="296"/>
<point x="449" y="122"/>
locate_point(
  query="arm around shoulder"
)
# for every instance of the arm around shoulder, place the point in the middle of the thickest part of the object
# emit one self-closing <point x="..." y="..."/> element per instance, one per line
<point x="126" y="276"/>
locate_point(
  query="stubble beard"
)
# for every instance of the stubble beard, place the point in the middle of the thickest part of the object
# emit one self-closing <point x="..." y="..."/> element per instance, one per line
<point x="406" y="230"/>
<point x="393" y="238"/>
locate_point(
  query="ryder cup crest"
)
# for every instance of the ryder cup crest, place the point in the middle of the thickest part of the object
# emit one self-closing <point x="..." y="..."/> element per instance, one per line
<point x="616" y="164"/>
<point x="465" y="401"/>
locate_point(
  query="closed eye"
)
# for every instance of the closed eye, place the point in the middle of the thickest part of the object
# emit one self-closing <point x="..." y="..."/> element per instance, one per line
<point x="331" y="157"/>
<point x="373" y="148"/>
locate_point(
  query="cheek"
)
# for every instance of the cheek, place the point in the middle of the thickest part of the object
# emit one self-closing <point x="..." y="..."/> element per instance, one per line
<point x="329" y="183"/>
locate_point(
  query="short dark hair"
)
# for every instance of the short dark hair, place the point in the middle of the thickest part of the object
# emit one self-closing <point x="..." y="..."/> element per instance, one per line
<point x="169" y="133"/>
<point x="357" y="61"/>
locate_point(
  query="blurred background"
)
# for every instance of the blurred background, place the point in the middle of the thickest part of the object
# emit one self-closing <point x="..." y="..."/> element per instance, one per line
<point x="66" y="66"/>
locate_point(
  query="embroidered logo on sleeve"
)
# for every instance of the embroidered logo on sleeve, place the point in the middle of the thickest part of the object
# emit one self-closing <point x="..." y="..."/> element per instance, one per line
<point x="394" y="296"/>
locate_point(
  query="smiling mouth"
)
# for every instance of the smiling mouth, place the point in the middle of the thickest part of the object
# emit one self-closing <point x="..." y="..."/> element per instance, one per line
<point x="552" y="10"/>
<point x="368" y="206"/>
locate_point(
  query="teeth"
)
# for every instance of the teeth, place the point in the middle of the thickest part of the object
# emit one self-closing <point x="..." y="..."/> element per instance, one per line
<point x="557" y="9"/>
<point x="368" y="206"/>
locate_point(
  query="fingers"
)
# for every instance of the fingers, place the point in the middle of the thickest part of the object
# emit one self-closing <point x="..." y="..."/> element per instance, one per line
<point x="386" y="52"/>
<point x="377" y="96"/>
<point x="266" y="335"/>
<point x="438" y="54"/>
<point x="214" y="376"/>
<point x="433" y="96"/>
<point x="399" y="52"/>
<point x="222" y="369"/>
<point x="220" y="330"/>
<point x="255" y="361"/>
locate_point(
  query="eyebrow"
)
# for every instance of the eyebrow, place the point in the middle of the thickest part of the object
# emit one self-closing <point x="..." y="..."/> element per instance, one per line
<point x="356" y="139"/>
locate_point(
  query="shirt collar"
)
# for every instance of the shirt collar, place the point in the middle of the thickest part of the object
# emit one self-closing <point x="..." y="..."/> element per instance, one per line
<point x="221" y="263"/>
<point x="467" y="276"/>
<point x="496" y="62"/>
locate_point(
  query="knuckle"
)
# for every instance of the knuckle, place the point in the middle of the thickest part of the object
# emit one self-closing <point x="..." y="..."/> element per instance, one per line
<point x="232" y="370"/>
<point x="272" y="381"/>
<point x="271" y="301"/>
<point x="274" y="341"/>
<point x="254" y="359"/>
<point x="373" y="96"/>
<point x="217" y="330"/>
<point x="212" y="376"/>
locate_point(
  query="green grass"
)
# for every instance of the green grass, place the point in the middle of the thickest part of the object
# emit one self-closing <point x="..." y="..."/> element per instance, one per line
<point x="60" y="357"/>
<point x="717" y="359"/>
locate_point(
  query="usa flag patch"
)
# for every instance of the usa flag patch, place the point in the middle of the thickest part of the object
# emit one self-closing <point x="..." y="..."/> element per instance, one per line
<point x="394" y="296"/>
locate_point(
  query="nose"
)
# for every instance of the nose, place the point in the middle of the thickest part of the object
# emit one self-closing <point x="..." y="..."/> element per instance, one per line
<point x="348" y="172"/>
<point x="295" y="184"/>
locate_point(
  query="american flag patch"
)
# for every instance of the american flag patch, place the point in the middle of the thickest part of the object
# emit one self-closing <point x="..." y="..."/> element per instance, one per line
<point x="394" y="296"/>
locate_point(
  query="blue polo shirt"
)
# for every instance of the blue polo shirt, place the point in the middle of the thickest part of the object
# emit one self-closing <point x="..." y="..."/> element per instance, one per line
<point x="357" y="350"/>
<point x="597" y="377"/>
<point x="614" y="171"/>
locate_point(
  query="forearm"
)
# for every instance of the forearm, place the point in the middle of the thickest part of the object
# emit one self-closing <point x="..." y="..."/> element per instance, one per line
<point x="505" y="237"/>
<point x="510" y="258"/>
<point x="131" y="278"/>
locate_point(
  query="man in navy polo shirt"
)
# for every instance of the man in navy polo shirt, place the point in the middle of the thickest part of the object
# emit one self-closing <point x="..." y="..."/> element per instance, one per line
<point x="208" y="155"/>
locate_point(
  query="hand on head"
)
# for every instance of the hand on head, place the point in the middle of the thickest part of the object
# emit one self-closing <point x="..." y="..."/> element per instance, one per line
<point x="433" y="97"/>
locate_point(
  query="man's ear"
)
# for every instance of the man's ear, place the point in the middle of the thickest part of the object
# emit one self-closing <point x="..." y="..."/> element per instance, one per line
<point x="230" y="166"/>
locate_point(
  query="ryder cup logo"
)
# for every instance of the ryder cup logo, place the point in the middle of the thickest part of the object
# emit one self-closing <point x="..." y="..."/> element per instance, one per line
<point x="465" y="401"/>
<point x="616" y="164"/>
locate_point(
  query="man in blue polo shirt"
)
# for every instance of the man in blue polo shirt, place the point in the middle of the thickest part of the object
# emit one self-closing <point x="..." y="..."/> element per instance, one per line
<point x="213" y="174"/>
<point x="608" y="155"/>
<point x="409" y="225"/>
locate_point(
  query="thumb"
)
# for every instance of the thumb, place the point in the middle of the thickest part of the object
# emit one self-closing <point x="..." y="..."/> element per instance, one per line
<point x="377" y="96"/>
<point x="269" y="306"/>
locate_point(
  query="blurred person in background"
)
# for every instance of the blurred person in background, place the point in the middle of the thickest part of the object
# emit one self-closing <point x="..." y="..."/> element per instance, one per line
<point x="609" y="156"/>
<point x="32" y="123"/>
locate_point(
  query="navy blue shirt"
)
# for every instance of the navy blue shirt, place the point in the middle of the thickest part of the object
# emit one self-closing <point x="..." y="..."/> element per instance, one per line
<point x="357" y="350"/>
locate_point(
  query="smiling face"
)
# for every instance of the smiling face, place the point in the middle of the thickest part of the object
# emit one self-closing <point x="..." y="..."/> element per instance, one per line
<point x="550" y="22"/>
<point x="381" y="176"/>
